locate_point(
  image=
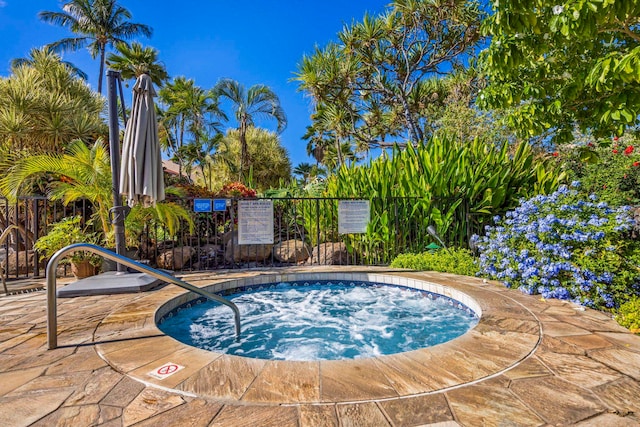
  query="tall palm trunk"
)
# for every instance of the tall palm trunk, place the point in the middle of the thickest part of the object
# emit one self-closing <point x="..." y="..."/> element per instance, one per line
<point x="244" y="151"/>
<point x="103" y="50"/>
<point x="180" y="143"/>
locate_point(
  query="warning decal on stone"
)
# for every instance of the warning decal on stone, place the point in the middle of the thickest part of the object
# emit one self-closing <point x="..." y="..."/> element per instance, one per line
<point x="165" y="370"/>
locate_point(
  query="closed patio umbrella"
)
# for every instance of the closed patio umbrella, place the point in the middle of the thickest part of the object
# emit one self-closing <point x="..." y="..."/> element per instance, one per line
<point x="141" y="177"/>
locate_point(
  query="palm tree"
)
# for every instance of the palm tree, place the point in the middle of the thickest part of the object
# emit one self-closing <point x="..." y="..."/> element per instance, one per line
<point x="335" y="157"/>
<point x="317" y="141"/>
<point x="308" y="172"/>
<point x="134" y="60"/>
<point x="248" y="106"/>
<point x="99" y="23"/>
<point x="190" y="114"/>
<point x="37" y="54"/>
<point x="214" y="151"/>
<point x="81" y="173"/>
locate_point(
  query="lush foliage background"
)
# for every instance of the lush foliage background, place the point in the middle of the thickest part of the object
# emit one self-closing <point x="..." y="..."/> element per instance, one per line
<point x="44" y="106"/>
<point x="270" y="162"/>
<point x="458" y="186"/>
<point x="557" y="65"/>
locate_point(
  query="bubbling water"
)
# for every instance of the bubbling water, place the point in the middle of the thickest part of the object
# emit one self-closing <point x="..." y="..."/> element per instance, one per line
<point x="322" y="321"/>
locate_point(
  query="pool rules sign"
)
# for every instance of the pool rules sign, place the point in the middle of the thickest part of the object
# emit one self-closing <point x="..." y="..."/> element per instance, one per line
<point x="255" y="222"/>
<point x="353" y="216"/>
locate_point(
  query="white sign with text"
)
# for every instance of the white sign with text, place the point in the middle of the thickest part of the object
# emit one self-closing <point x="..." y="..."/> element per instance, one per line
<point x="255" y="222"/>
<point x="353" y="216"/>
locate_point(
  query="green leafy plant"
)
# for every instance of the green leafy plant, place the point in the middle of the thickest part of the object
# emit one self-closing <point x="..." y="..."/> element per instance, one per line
<point x="66" y="232"/>
<point x="455" y="260"/>
<point x="458" y="187"/>
<point x="554" y="65"/>
<point x="628" y="315"/>
<point x="84" y="173"/>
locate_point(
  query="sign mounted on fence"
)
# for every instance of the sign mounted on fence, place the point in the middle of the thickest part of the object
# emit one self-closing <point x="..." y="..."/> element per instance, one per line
<point x="353" y="216"/>
<point x="219" y="205"/>
<point x="202" y="205"/>
<point x="255" y="222"/>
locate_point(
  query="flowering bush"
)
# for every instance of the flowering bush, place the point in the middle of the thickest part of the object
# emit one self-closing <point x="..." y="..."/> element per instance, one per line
<point x="236" y="189"/>
<point x="564" y="246"/>
<point x="609" y="169"/>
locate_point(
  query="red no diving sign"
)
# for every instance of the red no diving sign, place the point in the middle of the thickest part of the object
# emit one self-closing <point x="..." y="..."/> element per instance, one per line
<point x="165" y="370"/>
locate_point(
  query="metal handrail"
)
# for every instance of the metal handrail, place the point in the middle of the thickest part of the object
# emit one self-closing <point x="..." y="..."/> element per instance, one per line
<point x="52" y="265"/>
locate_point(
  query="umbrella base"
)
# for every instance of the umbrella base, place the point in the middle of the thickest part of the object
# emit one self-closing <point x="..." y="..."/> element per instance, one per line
<point x="110" y="283"/>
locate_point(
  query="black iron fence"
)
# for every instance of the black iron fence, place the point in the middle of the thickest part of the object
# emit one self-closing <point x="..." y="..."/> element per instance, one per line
<point x="31" y="217"/>
<point x="230" y="233"/>
<point x="306" y="231"/>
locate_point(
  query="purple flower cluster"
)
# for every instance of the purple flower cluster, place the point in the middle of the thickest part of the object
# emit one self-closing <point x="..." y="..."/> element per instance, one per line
<point x="558" y="245"/>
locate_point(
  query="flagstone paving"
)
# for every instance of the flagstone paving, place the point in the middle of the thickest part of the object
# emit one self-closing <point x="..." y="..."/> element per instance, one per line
<point x="529" y="362"/>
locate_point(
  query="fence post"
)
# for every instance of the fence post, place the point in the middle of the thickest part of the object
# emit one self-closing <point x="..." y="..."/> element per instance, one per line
<point x="232" y="218"/>
<point x="17" y="241"/>
<point x="36" y="234"/>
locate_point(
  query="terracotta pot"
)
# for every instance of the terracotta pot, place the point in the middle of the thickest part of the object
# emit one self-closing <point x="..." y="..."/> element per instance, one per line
<point x="82" y="269"/>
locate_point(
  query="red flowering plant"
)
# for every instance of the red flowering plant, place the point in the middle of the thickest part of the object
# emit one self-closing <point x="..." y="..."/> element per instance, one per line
<point x="236" y="189"/>
<point x="612" y="169"/>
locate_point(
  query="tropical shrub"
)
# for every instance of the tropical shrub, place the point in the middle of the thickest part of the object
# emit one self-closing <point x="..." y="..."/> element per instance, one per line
<point x="44" y="106"/>
<point x="269" y="160"/>
<point x="564" y="246"/>
<point x="628" y="315"/>
<point x="455" y="186"/>
<point x="195" y="191"/>
<point x="66" y="232"/>
<point x="84" y="173"/>
<point x="161" y="222"/>
<point x="454" y="260"/>
<point x="609" y="170"/>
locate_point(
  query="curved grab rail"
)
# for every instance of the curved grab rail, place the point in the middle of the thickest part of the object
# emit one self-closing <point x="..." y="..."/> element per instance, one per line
<point x="52" y="265"/>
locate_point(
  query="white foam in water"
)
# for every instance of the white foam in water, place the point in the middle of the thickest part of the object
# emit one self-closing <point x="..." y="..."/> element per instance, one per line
<point x="320" y="322"/>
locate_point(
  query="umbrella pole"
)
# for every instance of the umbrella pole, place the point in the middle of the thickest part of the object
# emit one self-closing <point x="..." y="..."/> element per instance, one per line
<point x="117" y="213"/>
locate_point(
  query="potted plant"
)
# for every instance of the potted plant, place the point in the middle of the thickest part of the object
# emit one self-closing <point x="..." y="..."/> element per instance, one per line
<point x="64" y="233"/>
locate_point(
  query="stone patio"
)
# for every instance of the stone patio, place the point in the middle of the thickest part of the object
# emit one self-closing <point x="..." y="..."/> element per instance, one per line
<point x="528" y="362"/>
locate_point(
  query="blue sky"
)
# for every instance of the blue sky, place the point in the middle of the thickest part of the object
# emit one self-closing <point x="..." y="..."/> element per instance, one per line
<point x="251" y="41"/>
